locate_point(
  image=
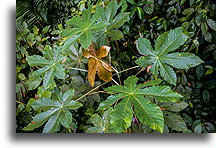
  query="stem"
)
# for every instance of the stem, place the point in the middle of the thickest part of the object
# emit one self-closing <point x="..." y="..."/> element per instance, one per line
<point x="77" y="69"/>
<point x="20" y="103"/>
<point x="115" y="82"/>
<point x="97" y="92"/>
<point x="126" y="70"/>
<point x="142" y="69"/>
<point x="91" y="91"/>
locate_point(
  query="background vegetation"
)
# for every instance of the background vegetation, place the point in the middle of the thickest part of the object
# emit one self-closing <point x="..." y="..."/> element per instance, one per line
<point x="42" y="31"/>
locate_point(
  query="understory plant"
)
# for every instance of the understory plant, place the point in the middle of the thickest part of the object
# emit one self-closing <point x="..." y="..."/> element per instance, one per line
<point x="77" y="83"/>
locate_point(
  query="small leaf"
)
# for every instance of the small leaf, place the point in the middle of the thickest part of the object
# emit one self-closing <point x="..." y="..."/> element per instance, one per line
<point x="149" y="7"/>
<point x="211" y="24"/>
<point x="208" y="36"/>
<point x="198" y="128"/>
<point x="140" y="12"/>
<point x="199" y="71"/>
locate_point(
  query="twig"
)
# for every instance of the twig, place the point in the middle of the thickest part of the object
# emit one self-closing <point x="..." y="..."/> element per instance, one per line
<point x="91" y="91"/>
<point x="77" y="69"/>
<point x="115" y="82"/>
<point x="97" y="92"/>
<point x="21" y="103"/>
<point x="126" y="70"/>
<point x="142" y="69"/>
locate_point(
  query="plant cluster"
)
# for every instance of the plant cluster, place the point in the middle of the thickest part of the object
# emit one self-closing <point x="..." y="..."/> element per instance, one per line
<point x="94" y="69"/>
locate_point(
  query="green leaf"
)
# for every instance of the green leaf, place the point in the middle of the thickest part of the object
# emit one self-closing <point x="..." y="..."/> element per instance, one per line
<point x="33" y="83"/>
<point x="101" y="124"/>
<point x="149" y="7"/>
<point x="83" y="28"/>
<point x="66" y="118"/>
<point x="40" y="119"/>
<point x="109" y="102"/>
<point x="144" y="61"/>
<point x="181" y="60"/>
<point x="50" y="67"/>
<point x="161" y="93"/>
<point x="199" y="71"/>
<point x="48" y="77"/>
<point x="198" y="128"/>
<point x="210" y="69"/>
<point x="113" y="21"/>
<point x="57" y="113"/>
<point x="208" y="36"/>
<point x="174" y="39"/>
<point x="173" y="106"/>
<point x="174" y="121"/>
<point x="132" y="94"/>
<point x="20" y="107"/>
<point x="44" y="103"/>
<point x="67" y="95"/>
<point x="168" y="73"/>
<point x="119" y="20"/>
<point x="37" y="60"/>
<point x="148" y="113"/>
<point x="59" y="71"/>
<point x="159" y="58"/>
<point x="140" y="12"/>
<point x="144" y="46"/>
<point x="53" y="123"/>
<point x="211" y="24"/>
<point x="115" y="34"/>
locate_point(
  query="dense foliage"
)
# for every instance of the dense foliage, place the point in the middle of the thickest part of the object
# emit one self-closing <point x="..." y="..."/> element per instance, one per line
<point x="118" y="66"/>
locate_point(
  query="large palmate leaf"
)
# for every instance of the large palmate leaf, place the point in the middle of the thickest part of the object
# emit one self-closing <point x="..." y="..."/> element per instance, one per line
<point x="114" y="21"/>
<point x="133" y="100"/>
<point x="83" y="27"/>
<point x="50" y="66"/>
<point x="57" y="113"/>
<point x="96" y="64"/>
<point x="160" y="58"/>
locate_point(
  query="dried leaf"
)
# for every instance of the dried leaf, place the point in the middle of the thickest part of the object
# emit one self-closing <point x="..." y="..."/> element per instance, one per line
<point x="95" y="63"/>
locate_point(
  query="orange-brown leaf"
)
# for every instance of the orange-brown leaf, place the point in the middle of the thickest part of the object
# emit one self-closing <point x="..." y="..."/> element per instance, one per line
<point x="104" y="74"/>
<point x="103" y="51"/>
<point x="106" y="65"/>
<point x="92" y="68"/>
<point x="95" y="63"/>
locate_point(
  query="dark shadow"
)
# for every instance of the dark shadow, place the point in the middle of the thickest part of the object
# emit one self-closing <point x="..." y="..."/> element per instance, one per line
<point x="12" y="71"/>
<point x="112" y="137"/>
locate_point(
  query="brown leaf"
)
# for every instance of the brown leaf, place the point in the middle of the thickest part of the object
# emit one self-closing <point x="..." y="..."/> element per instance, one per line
<point x="104" y="74"/>
<point x="103" y="51"/>
<point x="92" y="68"/>
<point x="95" y="63"/>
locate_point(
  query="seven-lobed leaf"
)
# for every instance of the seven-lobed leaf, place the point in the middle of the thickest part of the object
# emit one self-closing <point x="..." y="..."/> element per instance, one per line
<point x="50" y="64"/>
<point x="133" y="99"/>
<point x="57" y="114"/>
<point x="160" y="58"/>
